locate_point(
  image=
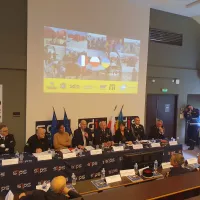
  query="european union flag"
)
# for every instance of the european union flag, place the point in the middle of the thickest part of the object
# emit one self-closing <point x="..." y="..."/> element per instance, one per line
<point x="66" y="123"/>
<point x="53" y="125"/>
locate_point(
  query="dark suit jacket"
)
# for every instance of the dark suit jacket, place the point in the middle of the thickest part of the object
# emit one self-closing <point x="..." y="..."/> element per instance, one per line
<point x="100" y="136"/>
<point x="78" y="137"/>
<point x="154" y="133"/>
<point x="138" y="132"/>
<point x="176" y="171"/>
<point x="9" y="143"/>
<point x="119" y="138"/>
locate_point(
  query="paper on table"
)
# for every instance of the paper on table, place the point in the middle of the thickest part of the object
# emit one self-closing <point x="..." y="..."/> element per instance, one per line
<point x="113" y="179"/>
<point x="192" y="161"/>
<point x="118" y="148"/>
<point x="65" y="151"/>
<point x="96" y="152"/>
<point x="9" y="196"/>
<point x="137" y="146"/>
<point x="89" y="148"/>
<point x="39" y="154"/>
<point x="166" y="165"/>
<point x="69" y="155"/>
<point x="171" y="143"/>
<point x="40" y="187"/>
<point x="141" y="170"/>
<point x="12" y="161"/>
<point x="127" y="172"/>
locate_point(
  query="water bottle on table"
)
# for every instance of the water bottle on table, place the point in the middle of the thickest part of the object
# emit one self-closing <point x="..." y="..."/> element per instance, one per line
<point x="136" y="168"/>
<point x="21" y="157"/>
<point x="103" y="174"/>
<point x="155" y="165"/>
<point x="73" y="179"/>
<point x="17" y="154"/>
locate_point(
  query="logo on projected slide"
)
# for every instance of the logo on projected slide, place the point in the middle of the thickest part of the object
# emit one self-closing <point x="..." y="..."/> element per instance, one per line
<point x="112" y="87"/>
<point x="51" y="86"/>
<point x="19" y="172"/>
<point x="74" y="86"/>
<point x="23" y="185"/>
<point x="88" y="87"/>
<point x="5" y="188"/>
<point x="63" y="85"/>
<point x="103" y="87"/>
<point x="123" y="87"/>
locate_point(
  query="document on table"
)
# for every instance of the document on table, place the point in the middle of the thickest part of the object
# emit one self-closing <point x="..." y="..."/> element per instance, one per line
<point x="100" y="184"/>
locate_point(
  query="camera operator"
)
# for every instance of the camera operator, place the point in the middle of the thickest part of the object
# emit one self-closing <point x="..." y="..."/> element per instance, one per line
<point x="191" y="115"/>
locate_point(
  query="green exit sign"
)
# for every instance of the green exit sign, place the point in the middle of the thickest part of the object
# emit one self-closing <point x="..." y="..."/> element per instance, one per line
<point x="164" y="90"/>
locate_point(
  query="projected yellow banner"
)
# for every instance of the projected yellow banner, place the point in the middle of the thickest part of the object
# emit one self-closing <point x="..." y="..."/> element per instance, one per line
<point x="53" y="85"/>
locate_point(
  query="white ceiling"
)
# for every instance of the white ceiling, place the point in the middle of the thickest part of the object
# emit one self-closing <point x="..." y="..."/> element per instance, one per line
<point x="173" y="6"/>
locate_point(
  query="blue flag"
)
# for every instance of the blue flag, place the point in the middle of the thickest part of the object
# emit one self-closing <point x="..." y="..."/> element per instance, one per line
<point x="120" y="119"/>
<point x="66" y="123"/>
<point x="53" y="125"/>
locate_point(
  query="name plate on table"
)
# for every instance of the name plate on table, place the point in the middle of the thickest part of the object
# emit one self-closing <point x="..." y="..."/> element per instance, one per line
<point x="65" y="150"/>
<point x="89" y="148"/>
<point x="118" y="148"/>
<point x="96" y="152"/>
<point x="155" y="144"/>
<point x="171" y="143"/>
<point x="12" y="161"/>
<point x="44" y="157"/>
<point x="127" y="172"/>
<point x="69" y="155"/>
<point x="113" y="179"/>
<point x="141" y="170"/>
<point x="137" y="146"/>
<point x="192" y="161"/>
<point x="166" y="165"/>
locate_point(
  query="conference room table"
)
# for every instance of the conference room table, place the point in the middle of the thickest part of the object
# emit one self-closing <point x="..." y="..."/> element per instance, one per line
<point x="26" y="175"/>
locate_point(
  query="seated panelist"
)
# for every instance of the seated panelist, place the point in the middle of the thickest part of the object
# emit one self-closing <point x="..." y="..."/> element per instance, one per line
<point x="61" y="139"/>
<point x="7" y="141"/>
<point x="157" y="131"/>
<point x="37" y="143"/>
<point x="103" y="135"/>
<point x="138" y="129"/>
<point x="123" y="135"/>
<point x="58" y="191"/>
<point x="82" y="136"/>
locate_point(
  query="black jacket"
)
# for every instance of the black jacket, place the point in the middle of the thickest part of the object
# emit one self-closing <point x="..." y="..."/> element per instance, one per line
<point x="50" y="195"/>
<point x="155" y="133"/>
<point x="101" y="136"/>
<point x="128" y="136"/>
<point x="138" y="132"/>
<point x="189" y="116"/>
<point x="34" y="143"/>
<point x="78" y="137"/>
<point x="9" y="143"/>
<point x="176" y="171"/>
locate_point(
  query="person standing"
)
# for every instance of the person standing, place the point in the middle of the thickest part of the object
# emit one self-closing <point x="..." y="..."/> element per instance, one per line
<point x="7" y="140"/>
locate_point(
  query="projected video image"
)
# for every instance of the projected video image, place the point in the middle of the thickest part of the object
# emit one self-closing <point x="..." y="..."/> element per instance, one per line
<point x="89" y="58"/>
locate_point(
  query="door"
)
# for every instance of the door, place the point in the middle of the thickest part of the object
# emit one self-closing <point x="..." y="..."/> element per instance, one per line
<point x="162" y="107"/>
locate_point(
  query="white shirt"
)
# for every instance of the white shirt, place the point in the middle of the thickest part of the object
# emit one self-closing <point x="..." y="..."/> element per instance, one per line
<point x="84" y="139"/>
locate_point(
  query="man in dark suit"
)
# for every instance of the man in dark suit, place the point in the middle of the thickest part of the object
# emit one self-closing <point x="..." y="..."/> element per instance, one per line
<point x="7" y="141"/>
<point x="103" y="135"/>
<point x="37" y="143"/>
<point x="82" y="136"/>
<point x="157" y="131"/>
<point x="138" y="129"/>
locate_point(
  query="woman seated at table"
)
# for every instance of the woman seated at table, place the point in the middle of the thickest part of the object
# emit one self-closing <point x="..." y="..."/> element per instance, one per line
<point x="62" y="139"/>
<point x="177" y="160"/>
<point x="122" y="135"/>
